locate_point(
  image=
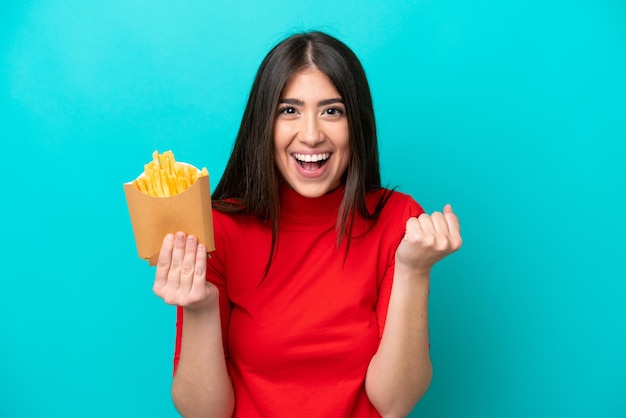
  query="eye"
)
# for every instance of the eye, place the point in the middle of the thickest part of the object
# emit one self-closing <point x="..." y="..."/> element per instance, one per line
<point x="334" y="111"/>
<point x="287" y="110"/>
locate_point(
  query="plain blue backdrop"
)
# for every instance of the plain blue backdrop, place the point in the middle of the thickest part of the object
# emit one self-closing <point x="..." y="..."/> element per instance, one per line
<point x="515" y="112"/>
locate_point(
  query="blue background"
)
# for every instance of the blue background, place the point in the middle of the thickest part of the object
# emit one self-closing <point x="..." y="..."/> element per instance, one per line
<point x="515" y="112"/>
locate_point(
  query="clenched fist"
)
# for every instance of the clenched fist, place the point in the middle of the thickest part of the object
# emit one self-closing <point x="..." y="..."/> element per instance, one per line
<point x="428" y="239"/>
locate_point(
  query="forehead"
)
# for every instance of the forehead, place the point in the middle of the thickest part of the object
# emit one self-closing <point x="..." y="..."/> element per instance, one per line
<point x="310" y="82"/>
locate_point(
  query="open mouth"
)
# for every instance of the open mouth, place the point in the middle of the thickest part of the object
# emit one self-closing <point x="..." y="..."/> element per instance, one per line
<point x="311" y="162"/>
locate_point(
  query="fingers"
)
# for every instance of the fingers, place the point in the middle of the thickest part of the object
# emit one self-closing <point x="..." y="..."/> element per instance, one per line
<point x="446" y="222"/>
<point x="186" y="273"/>
<point x="198" y="285"/>
<point x="453" y="226"/>
<point x="179" y="264"/>
<point x="435" y="231"/>
<point x="428" y="239"/>
<point x="439" y="230"/>
<point x="163" y="264"/>
<point x="440" y="224"/>
<point x="178" y="255"/>
<point x="413" y="231"/>
<point x="427" y="226"/>
<point x="181" y="273"/>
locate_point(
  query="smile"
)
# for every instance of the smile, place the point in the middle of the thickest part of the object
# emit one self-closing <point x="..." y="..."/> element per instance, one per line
<point x="312" y="161"/>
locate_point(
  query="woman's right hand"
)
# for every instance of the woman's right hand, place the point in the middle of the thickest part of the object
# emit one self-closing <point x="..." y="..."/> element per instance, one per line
<point x="181" y="273"/>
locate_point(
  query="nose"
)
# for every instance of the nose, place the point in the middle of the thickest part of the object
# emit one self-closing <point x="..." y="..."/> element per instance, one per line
<point x="310" y="132"/>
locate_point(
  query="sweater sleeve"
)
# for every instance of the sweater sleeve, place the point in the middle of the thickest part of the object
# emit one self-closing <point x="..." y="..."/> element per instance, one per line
<point x="396" y="232"/>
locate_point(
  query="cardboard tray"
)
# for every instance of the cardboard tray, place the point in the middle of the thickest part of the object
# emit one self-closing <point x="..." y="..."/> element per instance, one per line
<point x="154" y="217"/>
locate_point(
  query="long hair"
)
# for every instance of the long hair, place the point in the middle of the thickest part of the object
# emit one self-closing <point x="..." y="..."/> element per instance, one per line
<point x="250" y="181"/>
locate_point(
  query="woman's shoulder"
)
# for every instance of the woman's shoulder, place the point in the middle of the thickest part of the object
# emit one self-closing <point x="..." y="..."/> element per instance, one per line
<point x="394" y="202"/>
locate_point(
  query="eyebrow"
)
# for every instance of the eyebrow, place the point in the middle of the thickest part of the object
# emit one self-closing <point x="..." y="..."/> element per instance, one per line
<point x="298" y="102"/>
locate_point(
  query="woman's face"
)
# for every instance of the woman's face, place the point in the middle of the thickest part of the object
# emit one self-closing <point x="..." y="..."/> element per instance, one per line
<point x="311" y="138"/>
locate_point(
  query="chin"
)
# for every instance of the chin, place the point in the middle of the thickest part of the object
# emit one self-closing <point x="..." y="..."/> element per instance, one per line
<point x="313" y="190"/>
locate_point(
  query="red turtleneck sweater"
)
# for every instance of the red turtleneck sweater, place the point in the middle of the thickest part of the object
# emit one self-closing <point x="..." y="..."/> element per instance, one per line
<point x="298" y="342"/>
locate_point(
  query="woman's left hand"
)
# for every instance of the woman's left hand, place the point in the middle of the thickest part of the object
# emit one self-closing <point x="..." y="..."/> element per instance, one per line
<point x="428" y="239"/>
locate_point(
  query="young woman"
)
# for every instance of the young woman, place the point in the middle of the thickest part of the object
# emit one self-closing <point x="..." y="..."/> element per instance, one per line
<point x="315" y="301"/>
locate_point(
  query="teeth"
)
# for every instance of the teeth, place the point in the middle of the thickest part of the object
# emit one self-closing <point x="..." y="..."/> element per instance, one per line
<point x="308" y="158"/>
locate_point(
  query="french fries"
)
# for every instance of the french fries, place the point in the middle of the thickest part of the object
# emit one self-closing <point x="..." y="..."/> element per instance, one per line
<point x="164" y="176"/>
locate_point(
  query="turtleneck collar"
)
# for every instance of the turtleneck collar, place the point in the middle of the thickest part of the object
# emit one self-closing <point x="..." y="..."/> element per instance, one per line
<point x="297" y="208"/>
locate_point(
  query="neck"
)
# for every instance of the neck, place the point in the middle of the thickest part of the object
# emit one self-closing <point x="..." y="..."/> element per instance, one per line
<point x="295" y="207"/>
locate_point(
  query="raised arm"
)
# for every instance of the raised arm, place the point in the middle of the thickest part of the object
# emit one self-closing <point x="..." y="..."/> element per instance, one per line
<point x="400" y="372"/>
<point x="201" y="386"/>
